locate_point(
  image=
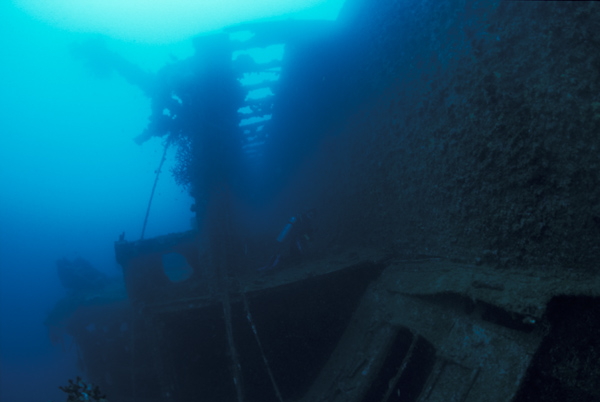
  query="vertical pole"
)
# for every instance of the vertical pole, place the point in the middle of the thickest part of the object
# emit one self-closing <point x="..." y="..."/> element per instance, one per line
<point x="222" y="255"/>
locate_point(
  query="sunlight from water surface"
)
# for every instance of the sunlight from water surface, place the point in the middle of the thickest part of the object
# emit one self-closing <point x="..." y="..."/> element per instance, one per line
<point x="163" y="21"/>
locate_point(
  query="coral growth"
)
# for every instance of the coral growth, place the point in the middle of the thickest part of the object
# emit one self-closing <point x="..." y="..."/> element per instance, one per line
<point x="80" y="391"/>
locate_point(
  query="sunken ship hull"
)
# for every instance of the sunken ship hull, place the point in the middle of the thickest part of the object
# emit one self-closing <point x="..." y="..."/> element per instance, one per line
<point x="361" y="325"/>
<point x="450" y="148"/>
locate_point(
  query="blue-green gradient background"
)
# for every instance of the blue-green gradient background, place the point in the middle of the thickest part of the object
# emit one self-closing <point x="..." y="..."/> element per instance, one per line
<point x="71" y="180"/>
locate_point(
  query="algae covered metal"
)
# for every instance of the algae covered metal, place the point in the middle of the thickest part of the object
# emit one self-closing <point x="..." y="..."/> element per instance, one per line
<point x="450" y="149"/>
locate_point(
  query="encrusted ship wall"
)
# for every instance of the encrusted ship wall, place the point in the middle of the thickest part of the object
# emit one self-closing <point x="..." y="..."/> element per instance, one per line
<point x="419" y="130"/>
<point x="464" y="129"/>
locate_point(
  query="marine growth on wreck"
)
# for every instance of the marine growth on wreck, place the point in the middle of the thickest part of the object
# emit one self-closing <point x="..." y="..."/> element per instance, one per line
<point x="399" y="204"/>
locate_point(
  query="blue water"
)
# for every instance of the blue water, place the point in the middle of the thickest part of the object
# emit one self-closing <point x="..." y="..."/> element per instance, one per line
<point x="71" y="181"/>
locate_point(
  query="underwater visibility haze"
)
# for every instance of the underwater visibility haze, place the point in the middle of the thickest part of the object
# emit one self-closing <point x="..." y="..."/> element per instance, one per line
<point x="319" y="200"/>
<point x="73" y="178"/>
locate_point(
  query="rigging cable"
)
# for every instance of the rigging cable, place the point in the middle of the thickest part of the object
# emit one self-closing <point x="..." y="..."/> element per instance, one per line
<point x="262" y="352"/>
<point x="162" y="161"/>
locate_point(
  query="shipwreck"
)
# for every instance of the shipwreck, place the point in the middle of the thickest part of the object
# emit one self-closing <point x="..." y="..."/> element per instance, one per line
<point x="455" y="251"/>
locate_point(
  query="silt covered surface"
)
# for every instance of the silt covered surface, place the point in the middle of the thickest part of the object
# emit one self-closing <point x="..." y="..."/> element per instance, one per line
<point x="472" y="134"/>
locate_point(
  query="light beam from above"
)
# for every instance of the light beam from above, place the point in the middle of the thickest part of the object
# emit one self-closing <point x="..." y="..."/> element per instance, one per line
<point x="167" y="21"/>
